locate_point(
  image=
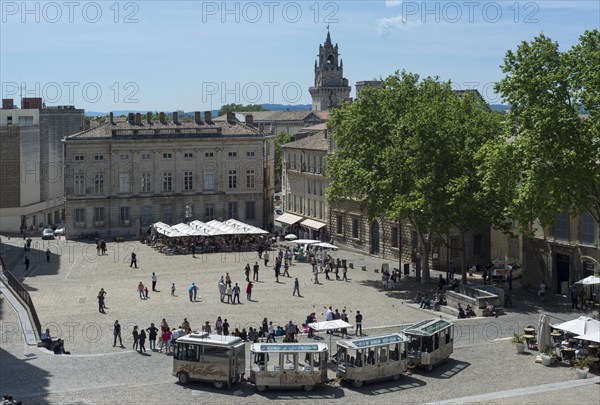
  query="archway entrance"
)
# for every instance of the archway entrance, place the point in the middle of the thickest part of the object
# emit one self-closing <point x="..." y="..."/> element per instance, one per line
<point x="375" y="238"/>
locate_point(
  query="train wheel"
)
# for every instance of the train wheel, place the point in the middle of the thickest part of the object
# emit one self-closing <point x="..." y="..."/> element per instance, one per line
<point x="357" y="383"/>
<point x="396" y="377"/>
<point x="261" y="388"/>
<point x="219" y="384"/>
<point x="307" y="388"/>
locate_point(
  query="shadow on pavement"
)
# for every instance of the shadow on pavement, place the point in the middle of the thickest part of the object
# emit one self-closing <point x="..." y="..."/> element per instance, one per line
<point x="23" y="380"/>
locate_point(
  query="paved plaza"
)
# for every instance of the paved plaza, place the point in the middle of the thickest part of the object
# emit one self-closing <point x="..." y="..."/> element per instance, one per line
<point x="483" y="369"/>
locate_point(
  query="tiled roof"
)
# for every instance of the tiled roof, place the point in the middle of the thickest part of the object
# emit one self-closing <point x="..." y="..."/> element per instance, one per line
<point x="272" y="116"/>
<point x="317" y="141"/>
<point x="122" y="128"/>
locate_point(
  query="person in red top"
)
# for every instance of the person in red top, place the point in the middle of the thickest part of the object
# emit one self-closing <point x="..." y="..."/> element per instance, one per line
<point x="166" y="340"/>
<point x="249" y="291"/>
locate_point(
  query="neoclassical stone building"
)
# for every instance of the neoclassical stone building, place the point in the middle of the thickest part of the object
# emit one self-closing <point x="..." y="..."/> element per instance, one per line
<point x="124" y="175"/>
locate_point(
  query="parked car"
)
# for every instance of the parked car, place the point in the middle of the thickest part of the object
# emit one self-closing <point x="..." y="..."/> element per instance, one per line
<point x="48" y="233"/>
<point x="60" y="231"/>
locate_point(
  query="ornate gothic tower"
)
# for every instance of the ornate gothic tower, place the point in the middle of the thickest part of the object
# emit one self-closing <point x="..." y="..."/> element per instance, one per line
<point x="330" y="88"/>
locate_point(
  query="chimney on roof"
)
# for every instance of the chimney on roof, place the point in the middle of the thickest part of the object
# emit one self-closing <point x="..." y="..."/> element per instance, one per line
<point x="111" y="118"/>
<point x="130" y="118"/>
<point x="138" y="119"/>
<point x="175" y="117"/>
<point x="87" y="125"/>
<point x="197" y="118"/>
<point x="149" y="117"/>
<point x="8" y="103"/>
<point x="261" y="127"/>
<point x="162" y="117"/>
<point x="231" y="117"/>
<point x="249" y="120"/>
<point x="207" y="117"/>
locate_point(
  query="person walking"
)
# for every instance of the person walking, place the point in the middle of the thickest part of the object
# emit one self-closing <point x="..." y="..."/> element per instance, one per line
<point x="152" y="333"/>
<point x="286" y="267"/>
<point x="542" y="290"/>
<point x="185" y="325"/>
<point x="266" y="257"/>
<point x="345" y="272"/>
<point x="358" y="318"/>
<point x="226" y="327"/>
<point x="117" y="333"/>
<point x="133" y="260"/>
<point x="146" y="292"/>
<point x="192" y="292"/>
<point x="249" y="289"/>
<point x="26" y="264"/>
<point x="103" y="247"/>
<point x="166" y="340"/>
<point x="227" y="279"/>
<point x="229" y="292"/>
<point x="509" y="279"/>
<point x="222" y="289"/>
<point x="173" y="290"/>
<point x="219" y="326"/>
<point x="136" y="337"/>
<point x="247" y="271"/>
<point x="297" y="287"/>
<point x="255" y="272"/>
<point x="101" y="294"/>
<point x="154" y="280"/>
<point x="344" y="318"/>
<point x="316" y="274"/>
<point x="276" y="269"/>
<point x="140" y="289"/>
<point x="142" y="340"/>
<point x="48" y="255"/>
<point x="236" y="293"/>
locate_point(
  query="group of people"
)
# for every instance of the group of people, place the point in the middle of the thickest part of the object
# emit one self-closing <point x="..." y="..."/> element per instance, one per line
<point x="55" y="345"/>
<point x="578" y="296"/>
<point x="465" y="312"/>
<point x="430" y="301"/>
<point x="100" y="247"/>
<point x="231" y="292"/>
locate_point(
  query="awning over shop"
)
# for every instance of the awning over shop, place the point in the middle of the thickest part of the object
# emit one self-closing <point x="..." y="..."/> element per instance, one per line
<point x="288" y="219"/>
<point x="311" y="223"/>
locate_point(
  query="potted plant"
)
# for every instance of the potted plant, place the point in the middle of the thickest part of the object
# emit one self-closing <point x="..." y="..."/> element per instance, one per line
<point x="582" y="366"/>
<point x="519" y="342"/>
<point x="548" y="356"/>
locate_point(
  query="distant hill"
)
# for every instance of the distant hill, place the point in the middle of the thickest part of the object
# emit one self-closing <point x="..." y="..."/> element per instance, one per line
<point x="499" y="107"/>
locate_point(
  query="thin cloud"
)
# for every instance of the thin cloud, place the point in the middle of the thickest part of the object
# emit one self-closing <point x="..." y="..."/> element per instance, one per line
<point x="392" y="3"/>
<point x="389" y="25"/>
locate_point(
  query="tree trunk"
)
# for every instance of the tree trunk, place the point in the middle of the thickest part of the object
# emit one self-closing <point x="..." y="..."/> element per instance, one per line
<point x="463" y="256"/>
<point x="424" y="259"/>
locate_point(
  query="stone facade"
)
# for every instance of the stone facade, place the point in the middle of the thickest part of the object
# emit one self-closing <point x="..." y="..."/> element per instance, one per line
<point x="125" y="175"/>
<point x="562" y="254"/>
<point x="32" y="160"/>
<point x="304" y="182"/>
<point x="330" y="87"/>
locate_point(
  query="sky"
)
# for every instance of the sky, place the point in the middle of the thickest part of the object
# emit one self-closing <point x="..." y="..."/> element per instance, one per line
<point x="197" y="55"/>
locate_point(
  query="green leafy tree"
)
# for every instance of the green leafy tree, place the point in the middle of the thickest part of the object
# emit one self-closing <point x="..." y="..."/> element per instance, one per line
<point x="549" y="160"/>
<point x="408" y="151"/>
<point x="240" y="108"/>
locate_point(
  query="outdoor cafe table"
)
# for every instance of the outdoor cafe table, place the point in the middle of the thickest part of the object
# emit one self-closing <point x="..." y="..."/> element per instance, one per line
<point x="529" y="331"/>
<point x="530" y="340"/>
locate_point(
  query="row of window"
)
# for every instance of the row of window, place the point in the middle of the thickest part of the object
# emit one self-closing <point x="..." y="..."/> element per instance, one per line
<point x="587" y="227"/>
<point x="314" y="187"/>
<point x="309" y="207"/>
<point x="167" y="182"/>
<point x="313" y="164"/>
<point x="146" y="215"/>
<point x="165" y="156"/>
<point x="339" y="226"/>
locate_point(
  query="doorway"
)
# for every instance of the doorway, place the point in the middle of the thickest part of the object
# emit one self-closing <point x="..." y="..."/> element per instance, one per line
<point x="562" y="273"/>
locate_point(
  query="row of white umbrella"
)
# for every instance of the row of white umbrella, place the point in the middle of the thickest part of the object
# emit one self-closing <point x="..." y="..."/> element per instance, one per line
<point x="212" y="228"/>
<point x="313" y="242"/>
<point x="584" y="327"/>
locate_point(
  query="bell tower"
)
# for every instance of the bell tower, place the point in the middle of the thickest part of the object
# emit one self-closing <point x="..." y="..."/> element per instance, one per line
<point x="330" y="87"/>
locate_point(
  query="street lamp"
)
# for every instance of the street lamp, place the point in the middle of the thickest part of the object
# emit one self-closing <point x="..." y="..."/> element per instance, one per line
<point x="188" y="213"/>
